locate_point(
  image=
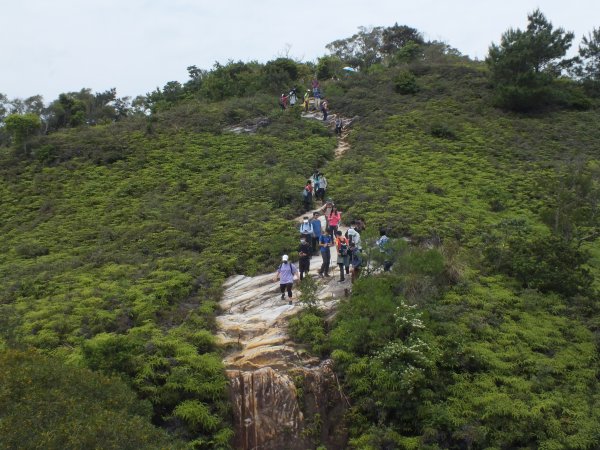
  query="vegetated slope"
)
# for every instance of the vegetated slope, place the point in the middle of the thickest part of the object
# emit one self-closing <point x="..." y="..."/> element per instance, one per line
<point x="486" y="334"/>
<point x="117" y="239"/>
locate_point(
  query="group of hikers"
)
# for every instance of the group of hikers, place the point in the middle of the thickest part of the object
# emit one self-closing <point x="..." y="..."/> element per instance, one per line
<point x="316" y="186"/>
<point x="316" y="238"/>
<point x="319" y="102"/>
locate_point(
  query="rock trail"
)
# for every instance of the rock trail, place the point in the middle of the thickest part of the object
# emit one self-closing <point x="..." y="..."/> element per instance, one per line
<point x="263" y="364"/>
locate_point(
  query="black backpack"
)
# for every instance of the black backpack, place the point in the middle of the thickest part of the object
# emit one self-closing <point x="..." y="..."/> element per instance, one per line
<point x="344" y="248"/>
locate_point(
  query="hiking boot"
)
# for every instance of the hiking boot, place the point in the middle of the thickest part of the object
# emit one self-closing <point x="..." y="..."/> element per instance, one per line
<point x="290" y="302"/>
<point x="341" y="280"/>
<point x="282" y="296"/>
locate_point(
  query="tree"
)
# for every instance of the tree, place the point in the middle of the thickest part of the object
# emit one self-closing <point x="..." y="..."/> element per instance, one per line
<point x="22" y="127"/>
<point x="34" y="104"/>
<point x="398" y="36"/>
<point x="329" y="67"/>
<point x="526" y="63"/>
<point x="363" y="49"/>
<point x="588" y="67"/>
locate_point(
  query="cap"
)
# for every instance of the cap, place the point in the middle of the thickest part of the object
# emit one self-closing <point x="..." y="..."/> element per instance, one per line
<point x="284" y="258"/>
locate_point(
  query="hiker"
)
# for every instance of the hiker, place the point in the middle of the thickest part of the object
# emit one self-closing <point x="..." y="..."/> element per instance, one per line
<point x="304" y="252"/>
<point x="325" y="243"/>
<point x="283" y="102"/>
<point x="306" y="100"/>
<point x="286" y="274"/>
<point x="360" y="224"/>
<point x="324" y="109"/>
<point x="333" y="220"/>
<point x="307" y="196"/>
<point x="316" y="93"/>
<point x="315" y="222"/>
<point x="320" y="194"/>
<point x="343" y="259"/>
<point x="326" y="210"/>
<point x="355" y="260"/>
<point x="338" y="125"/>
<point x="293" y="97"/>
<point x="306" y="230"/>
<point x="353" y="235"/>
<point x="383" y="244"/>
<point x="316" y="181"/>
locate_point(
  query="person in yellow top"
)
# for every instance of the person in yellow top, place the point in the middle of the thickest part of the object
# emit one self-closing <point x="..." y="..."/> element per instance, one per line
<point x="306" y="100"/>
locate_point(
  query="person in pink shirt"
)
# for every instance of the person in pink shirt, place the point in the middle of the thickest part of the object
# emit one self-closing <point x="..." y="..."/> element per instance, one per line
<point x="333" y="220"/>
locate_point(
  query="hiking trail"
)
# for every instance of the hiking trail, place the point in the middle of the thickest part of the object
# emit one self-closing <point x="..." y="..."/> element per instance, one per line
<point x="266" y="369"/>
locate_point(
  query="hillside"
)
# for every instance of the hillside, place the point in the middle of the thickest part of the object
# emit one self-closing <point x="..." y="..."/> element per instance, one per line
<point x="118" y="237"/>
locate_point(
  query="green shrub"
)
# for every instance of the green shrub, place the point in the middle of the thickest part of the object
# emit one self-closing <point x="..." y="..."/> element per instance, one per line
<point x="45" y="404"/>
<point x="406" y="83"/>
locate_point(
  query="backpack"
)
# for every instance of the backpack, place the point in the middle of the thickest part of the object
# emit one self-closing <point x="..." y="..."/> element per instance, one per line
<point x="291" y="266"/>
<point x="344" y="248"/>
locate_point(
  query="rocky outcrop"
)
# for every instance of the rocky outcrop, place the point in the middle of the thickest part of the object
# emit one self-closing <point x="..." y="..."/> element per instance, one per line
<point x="296" y="410"/>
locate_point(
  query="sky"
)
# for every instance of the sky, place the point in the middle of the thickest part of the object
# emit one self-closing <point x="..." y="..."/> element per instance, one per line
<point x="48" y="47"/>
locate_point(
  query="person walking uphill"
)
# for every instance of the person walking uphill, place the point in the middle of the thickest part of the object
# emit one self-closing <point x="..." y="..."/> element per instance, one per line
<point x="325" y="243"/>
<point x="343" y="258"/>
<point x="286" y="274"/>
<point x="304" y="251"/>
<point x="306" y="100"/>
<point x="333" y="220"/>
<point x="306" y="230"/>
<point x="316" y="231"/>
<point x="324" y="109"/>
<point x="307" y="195"/>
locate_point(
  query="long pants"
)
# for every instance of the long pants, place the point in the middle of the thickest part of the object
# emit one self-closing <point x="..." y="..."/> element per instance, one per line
<point x="315" y="244"/>
<point x="326" y="254"/>
<point x="283" y="288"/>
<point x="332" y="229"/>
<point x="344" y="265"/>
<point x="308" y="202"/>
<point x="355" y="274"/>
<point x="304" y="267"/>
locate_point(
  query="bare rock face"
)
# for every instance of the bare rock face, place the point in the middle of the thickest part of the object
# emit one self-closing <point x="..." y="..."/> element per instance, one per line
<point x="282" y="397"/>
<point x="296" y="410"/>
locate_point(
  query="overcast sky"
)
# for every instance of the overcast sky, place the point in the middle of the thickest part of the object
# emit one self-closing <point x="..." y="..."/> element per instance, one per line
<point x="53" y="46"/>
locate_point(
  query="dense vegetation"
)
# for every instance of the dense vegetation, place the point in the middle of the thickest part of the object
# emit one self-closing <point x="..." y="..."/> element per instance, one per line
<point x="116" y="242"/>
<point x="122" y="222"/>
<point x="494" y="337"/>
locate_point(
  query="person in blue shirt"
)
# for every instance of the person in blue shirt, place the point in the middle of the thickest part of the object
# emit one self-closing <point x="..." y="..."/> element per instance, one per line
<point x="316" y="228"/>
<point x="383" y="244"/>
<point x="325" y="243"/>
